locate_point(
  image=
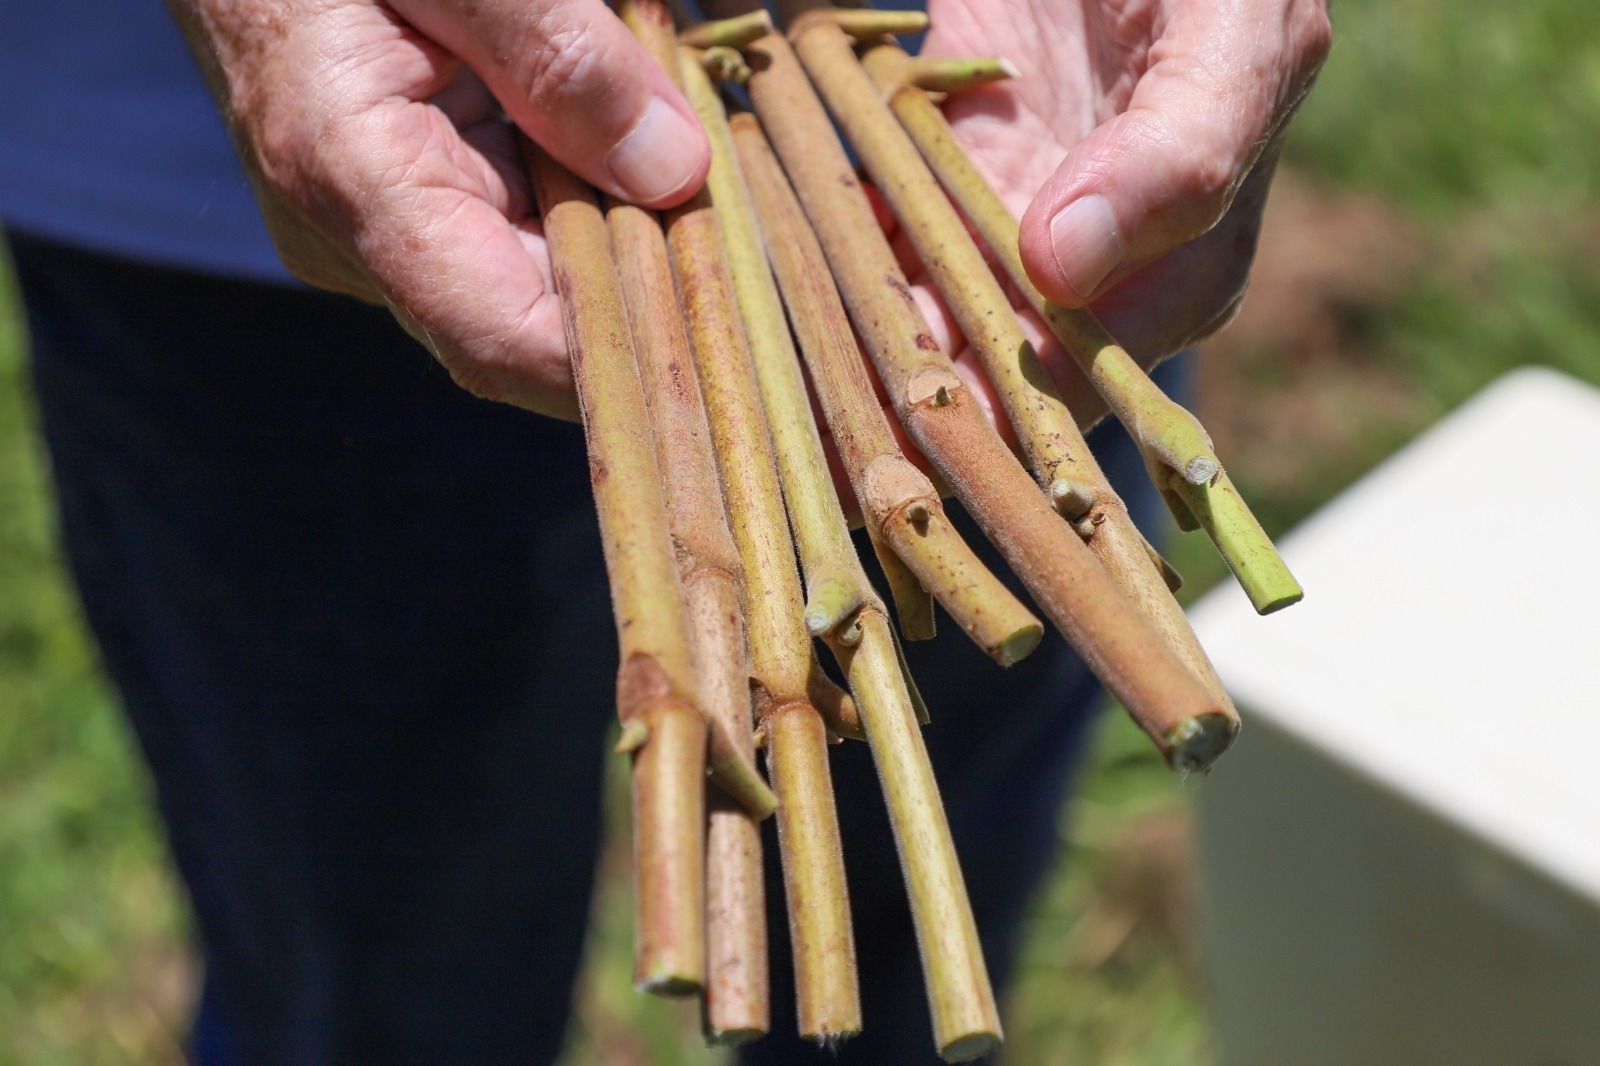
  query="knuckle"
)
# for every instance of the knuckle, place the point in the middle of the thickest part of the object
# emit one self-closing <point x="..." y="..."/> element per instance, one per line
<point x="1207" y="179"/>
<point x="1314" y="39"/>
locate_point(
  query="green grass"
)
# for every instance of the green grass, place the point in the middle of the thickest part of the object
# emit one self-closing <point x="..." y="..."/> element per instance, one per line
<point x="1480" y="122"/>
<point x="1471" y="125"/>
<point x="89" y="917"/>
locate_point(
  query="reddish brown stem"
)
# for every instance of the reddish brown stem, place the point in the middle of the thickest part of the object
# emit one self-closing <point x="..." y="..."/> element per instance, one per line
<point x="656" y="685"/>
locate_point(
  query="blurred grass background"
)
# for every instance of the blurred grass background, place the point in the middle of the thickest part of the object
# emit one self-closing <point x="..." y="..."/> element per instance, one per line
<point x="1435" y="225"/>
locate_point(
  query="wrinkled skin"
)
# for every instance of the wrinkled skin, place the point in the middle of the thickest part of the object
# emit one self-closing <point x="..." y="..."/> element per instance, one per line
<point x="373" y="134"/>
<point x="1171" y="110"/>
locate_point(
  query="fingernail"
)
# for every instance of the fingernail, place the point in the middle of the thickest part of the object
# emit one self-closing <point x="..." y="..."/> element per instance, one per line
<point x="657" y="157"/>
<point x="1084" y="237"/>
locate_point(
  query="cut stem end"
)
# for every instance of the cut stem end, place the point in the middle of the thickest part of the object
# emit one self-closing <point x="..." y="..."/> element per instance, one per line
<point x="1200" y="470"/>
<point x="972" y="1046"/>
<point x="669" y="986"/>
<point x="1019" y="645"/>
<point x="733" y="1037"/>
<point x="1198" y="742"/>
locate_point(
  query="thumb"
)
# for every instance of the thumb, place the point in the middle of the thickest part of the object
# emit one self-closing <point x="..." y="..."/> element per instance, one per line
<point x="1223" y="80"/>
<point x="575" y="80"/>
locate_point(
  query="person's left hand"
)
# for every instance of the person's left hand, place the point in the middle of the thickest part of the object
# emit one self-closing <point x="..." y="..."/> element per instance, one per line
<point x="1136" y="144"/>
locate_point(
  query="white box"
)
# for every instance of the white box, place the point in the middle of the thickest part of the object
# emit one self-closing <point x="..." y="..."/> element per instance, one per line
<point x="1401" y="856"/>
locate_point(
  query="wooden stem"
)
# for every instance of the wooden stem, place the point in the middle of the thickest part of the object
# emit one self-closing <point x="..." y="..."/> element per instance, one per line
<point x="780" y="648"/>
<point x="941" y="75"/>
<point x="669" y="852"/>
<point x="828" y="998"/>
<point x="1114" y="638"/>
<point x="656" y="685"/>
<point x="733" y="32"/>
<point x="966" y="1023"/>
<point x="737" y="1007"/>
<point x="1168" y="434"/>
<point x="865" y="23"/>
<point x="827" y="555"/>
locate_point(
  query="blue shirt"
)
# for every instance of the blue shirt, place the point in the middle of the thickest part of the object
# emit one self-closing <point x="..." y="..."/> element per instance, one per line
<point x="109" y="140"/>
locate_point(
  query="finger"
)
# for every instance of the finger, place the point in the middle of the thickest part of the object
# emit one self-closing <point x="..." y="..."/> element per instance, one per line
<point x="476" y="115"/>
<point x="571" y="75"/>
<point x="451" y="249"/>
<point x="1222" y="79"/>
<point x="336" y="125"/>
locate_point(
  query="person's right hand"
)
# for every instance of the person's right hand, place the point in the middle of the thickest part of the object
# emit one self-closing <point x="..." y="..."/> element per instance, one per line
<point x="375" y="135"/>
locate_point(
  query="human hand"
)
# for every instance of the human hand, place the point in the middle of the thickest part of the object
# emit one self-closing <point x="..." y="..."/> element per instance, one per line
<point x="374" y="136"/>
<point x="1140" y="138"/>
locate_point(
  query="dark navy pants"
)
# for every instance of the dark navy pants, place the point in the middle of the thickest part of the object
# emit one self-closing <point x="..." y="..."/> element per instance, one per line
<point x="359" y="622"/>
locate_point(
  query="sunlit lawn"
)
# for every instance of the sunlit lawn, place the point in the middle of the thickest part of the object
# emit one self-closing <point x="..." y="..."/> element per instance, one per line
<point x="1438" y="226"/>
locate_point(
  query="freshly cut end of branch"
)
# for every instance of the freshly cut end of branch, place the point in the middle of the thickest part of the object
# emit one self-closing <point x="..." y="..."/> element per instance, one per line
<point x="1199" y="742"/>
<point x="730" y="1036"/>
<point x="969" y="1047"/>
<point x="733" y="32"/>
<point x="1244" y="545"/>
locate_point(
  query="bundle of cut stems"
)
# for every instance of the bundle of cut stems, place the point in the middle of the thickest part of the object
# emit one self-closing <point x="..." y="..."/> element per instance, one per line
<point x="1061" y="460"/>
<point x="1188" y="722"/>
<point x="848" y="614"/>
<point x="1177" y="449"/>
<point x="782" y="667"/>
<point x="711" y="483"/>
